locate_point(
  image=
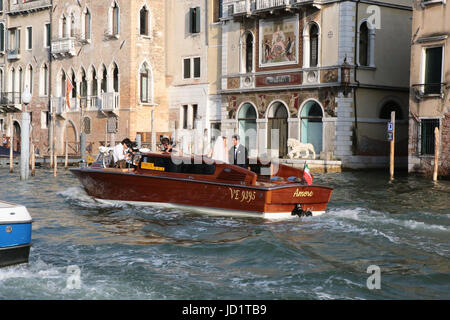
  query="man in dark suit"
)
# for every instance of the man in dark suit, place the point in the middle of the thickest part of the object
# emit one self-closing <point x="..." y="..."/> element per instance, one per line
<point x="238" y="154"/>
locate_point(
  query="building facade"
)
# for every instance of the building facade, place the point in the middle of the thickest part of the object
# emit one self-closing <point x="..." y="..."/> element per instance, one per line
<point x="430" y="76"/>
<point x="283" y="66"/>
<point x="108" y="72"/>
<point x="25" y="66"/>
<point x="193" y="49"/>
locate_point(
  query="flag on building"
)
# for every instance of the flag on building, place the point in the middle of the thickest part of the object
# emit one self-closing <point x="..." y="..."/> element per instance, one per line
<point x="69" y="88"/>
<point x="307" y="175"/>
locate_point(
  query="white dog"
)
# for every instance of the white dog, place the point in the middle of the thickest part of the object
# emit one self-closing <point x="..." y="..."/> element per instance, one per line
<point x="297" y="147"/>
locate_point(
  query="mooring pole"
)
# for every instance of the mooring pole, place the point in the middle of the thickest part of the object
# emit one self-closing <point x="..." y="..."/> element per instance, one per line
<point x="436" y="153"/>
<point x="391" y="158"/>
<point x="11" y="144"/>
<point x="25" y="147"/>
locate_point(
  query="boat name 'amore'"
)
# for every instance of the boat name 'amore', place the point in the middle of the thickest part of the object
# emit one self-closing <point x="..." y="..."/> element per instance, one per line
<point x="303" y="194"/>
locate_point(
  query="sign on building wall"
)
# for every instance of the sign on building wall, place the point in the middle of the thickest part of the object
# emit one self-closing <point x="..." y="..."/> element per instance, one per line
<point x="278" y="42"/>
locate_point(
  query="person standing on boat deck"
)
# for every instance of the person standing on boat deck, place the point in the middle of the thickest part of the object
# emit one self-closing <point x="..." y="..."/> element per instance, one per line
<point x="120" y="153"/>
<point x="219" y="152"/>
<point x="238" y="154"/>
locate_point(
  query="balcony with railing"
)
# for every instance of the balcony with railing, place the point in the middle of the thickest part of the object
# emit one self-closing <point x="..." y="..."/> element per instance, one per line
<point x="429" y="90"/>
<point x="13" y="54"/>
<point x="63" y="47"/>
<point x="28" y="6"/>
<point x="249" y="7"/>
<point x="10" y="101"/>
<point x="110" y="102"/>
<point x="90" y="103"/>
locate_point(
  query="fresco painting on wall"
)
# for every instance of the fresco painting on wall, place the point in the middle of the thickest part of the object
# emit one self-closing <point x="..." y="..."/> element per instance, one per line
<point x="278" y="42"/>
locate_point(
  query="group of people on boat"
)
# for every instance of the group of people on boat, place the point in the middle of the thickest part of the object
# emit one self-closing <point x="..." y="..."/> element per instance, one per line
<point x="237" y="154"/>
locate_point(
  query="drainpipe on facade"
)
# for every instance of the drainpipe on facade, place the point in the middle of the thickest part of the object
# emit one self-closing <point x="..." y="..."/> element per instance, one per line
<point x="355" y="128"/>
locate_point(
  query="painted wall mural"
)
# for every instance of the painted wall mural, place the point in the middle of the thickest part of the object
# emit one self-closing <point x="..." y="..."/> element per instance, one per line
<point x="278" y="42"/>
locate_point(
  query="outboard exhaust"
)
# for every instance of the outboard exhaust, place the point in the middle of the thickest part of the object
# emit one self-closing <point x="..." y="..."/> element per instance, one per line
<point x="298" y="211"/>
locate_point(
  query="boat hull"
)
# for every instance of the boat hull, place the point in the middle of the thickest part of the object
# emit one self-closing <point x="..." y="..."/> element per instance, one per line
<point x="14" y="255"/>
<point x="15" y="234"/>
<point x="199" y="195"/>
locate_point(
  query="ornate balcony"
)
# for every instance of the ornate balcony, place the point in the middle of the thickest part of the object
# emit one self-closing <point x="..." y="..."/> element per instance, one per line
<point x="28" y="6"/>
<point x="63" y="47"/>
<point x="253" y="7"/>
<point x="13" y="54"/>
<point x="110" y="102"/>
<point x="58" y="105"/>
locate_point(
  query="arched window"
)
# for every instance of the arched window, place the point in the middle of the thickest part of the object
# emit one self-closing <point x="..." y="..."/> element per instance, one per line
<point x="104" y="83"/>
<point x="144" y="22"/>
<point x="94" y="83"/>
<point x="311" y="125"/>
<point x="87" y="125"/>
<point x="12" y="80"/>
<point x="29" y="78"/>
<point x="72" y="25"/>
<point x="83" y="86"/>
<point x="64" y="29"/>
<point x="115" y="78"/>
<point x="388" y="107"/>
<point x="74" y="85"/>
<point x="277" y="128"/>
<point x="20" y="81"/>
<point x="314" y="45"/>
<point x="87" y="24"/>
<point x="44" y="81"/>
<point x="145" y="84"/>
<point x="63" y="84"/>
<point x="364" y="45"/>
<point x="247" y="125"/>
<point x="114" y="15"/>
<point x="249" y="53"/>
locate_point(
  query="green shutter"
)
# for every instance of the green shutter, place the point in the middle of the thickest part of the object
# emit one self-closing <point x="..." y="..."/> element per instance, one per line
<point x="197" y="19"/>
<point x="191" y="20"/>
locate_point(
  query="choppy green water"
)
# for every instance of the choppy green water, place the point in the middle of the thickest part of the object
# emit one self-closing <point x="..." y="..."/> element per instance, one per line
<point x="126" y="252"/>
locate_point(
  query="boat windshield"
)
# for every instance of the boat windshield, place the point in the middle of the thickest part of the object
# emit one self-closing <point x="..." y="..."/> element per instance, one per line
<point x="166" y="164"/>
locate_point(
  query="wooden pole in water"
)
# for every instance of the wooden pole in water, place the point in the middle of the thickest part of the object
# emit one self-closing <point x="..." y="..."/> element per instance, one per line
<point x="11" y="151"/>
<point x="436" y="153"/>
<point x="55" y="164"/>
<point x="33" y="161"/>
<point x="66" y="161"/>
<point x="391" y="158"/>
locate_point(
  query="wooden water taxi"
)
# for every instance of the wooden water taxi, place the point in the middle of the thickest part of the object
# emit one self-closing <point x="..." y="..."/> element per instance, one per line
<point x="265" y="190"/>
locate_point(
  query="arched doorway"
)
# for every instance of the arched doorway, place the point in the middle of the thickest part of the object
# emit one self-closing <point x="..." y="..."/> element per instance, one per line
<point x="311" y="125"/>
<point x="277" y="120"/>
<point x="70" y="139"/>
<point x="247" y="125"/>
<point x="16" y="135"/>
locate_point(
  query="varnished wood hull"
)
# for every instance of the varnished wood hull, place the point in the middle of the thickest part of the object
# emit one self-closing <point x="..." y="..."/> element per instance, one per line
<point x="207" y="196"/>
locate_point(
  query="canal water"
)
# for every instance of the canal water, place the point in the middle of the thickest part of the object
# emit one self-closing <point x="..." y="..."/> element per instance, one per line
<point x="85" y="250"/>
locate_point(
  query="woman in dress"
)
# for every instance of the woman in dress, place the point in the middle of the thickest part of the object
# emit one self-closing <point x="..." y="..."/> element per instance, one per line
<point x="219" y="152"/>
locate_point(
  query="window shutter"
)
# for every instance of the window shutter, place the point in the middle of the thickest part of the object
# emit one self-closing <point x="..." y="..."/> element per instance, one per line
<point x="191" y="20"/>
<point x="2" y="37"/>
<point x="17" y="40"/>
<point x="197" y="19"/>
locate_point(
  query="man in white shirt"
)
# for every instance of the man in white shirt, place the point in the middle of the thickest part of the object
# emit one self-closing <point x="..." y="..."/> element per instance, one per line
<point x="120" y="153"/>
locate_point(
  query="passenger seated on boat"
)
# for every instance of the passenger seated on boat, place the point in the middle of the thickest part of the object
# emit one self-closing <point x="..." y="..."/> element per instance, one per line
<point x="120" y="153"/>
<point x="165" y="145"/>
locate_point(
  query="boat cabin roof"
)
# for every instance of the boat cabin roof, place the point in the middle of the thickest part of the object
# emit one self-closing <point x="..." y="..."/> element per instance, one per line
<point x="204" y="168"/>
